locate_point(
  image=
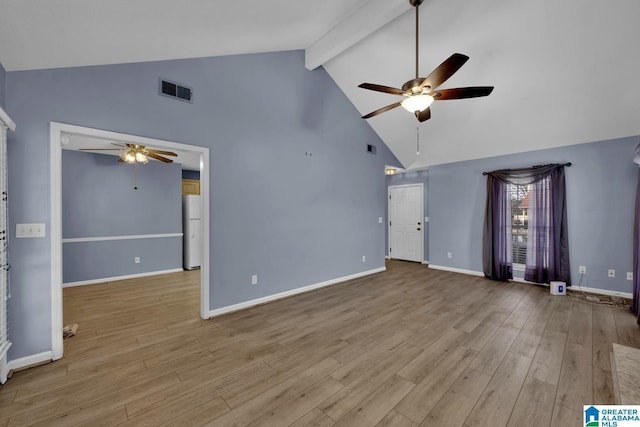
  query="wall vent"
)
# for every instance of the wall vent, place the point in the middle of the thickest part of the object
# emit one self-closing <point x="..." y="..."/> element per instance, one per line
<point x="371" y="149"/>
<point x="175" y="90"/>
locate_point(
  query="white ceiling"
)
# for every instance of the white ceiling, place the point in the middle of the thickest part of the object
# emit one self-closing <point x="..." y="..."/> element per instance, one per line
<point x="564" y="72"/>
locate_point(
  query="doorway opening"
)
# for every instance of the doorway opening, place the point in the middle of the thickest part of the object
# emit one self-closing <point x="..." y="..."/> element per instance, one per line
<point x="59" y="134"/>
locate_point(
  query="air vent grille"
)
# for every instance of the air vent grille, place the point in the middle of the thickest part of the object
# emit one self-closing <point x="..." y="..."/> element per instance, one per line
<point x="177" y="91"/>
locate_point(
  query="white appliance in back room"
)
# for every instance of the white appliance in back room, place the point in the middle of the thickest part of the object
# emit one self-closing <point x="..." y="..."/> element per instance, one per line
<point x="192" y="230"/>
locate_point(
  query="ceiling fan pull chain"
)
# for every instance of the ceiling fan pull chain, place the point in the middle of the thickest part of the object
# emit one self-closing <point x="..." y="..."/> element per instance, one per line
<point x="417" y="140"/>
<point x="135" y="176"/>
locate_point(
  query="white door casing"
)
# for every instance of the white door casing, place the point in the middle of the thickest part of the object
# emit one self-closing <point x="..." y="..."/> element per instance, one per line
<point x="57" y="130"/>
<point x="406" y="223"/>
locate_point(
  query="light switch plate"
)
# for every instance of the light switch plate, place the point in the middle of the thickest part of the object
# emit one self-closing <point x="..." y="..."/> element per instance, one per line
<point x="30" y="230"/>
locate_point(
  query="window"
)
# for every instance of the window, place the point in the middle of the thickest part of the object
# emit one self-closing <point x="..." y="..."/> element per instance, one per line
<point x="526" y="223"/>
<point x="519" y="197"/>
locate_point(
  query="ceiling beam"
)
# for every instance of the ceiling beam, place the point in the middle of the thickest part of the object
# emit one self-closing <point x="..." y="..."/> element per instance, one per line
<point x="353" y="28"/>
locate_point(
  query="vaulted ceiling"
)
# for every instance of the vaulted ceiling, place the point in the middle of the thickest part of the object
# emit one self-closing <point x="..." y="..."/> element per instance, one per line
<point x="564" y="72"/>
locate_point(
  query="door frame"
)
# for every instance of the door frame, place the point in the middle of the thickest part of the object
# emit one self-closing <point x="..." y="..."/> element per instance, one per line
<point x="57" y="130"/>
<point x="389" y="188"/>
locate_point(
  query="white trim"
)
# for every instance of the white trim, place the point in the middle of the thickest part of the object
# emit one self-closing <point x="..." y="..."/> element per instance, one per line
<point x="521" y="280"/>
<point x="56" y="132"/>
<point x="205" y="224"/>
<point x="418" y="184"/>
<point x="601" y="292"/>
<point x="387" y="257"/>
<point x="125" y="277"/>
<point x="456" y="270"/>
<point x="274" y="297"/>
<point x="129" y="237"/>
<point x="28" y="361"/>
<point x="4" y="366"/>
<point x="5" y="120"/>
<point x="425" y="262"/>
<point x="55" y="155"/>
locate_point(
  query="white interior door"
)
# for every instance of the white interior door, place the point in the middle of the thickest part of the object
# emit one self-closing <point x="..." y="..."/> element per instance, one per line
<point x="406" y="222"/>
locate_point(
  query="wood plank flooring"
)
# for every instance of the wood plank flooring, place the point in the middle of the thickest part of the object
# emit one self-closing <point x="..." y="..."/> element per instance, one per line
<point x="407" y="347"/>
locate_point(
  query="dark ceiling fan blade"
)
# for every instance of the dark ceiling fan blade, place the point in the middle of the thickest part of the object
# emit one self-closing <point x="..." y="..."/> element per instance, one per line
<point x="423" y="115"/>
<point x="119" y="145"/>
<point x="164" y="153"/>
<point x="99" y="149"/>
<point x="444" y="71"/>
<point x="157" y="157"/>
<point x="382" y="110"/>
<point x="381" y="88"/>
<point x="461" y="93"/>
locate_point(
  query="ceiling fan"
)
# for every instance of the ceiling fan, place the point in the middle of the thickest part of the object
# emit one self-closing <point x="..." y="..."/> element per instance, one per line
<point x="134" y="153"/>
<point x="420" y="92"/>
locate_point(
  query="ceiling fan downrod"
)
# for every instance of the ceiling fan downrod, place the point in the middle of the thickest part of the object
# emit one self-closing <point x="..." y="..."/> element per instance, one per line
<point x="416" y="4"/>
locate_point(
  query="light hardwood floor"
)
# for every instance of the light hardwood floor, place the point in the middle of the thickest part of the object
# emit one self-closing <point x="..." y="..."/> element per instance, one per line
<point x="410" y="346"/>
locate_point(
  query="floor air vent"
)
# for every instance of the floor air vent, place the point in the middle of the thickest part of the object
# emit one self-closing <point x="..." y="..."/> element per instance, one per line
<point x="176" y="91"/>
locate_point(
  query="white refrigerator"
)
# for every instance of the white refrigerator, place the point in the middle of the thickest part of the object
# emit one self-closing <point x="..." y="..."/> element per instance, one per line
<point x="191" y="229"/>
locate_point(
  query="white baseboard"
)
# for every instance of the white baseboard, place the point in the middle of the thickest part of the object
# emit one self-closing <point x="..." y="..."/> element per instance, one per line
<point x="457" y="270"/>
<point x="425" y="262"/>
<point x="521" y="280"/>
<point x="263" y="300"/>
<point x="28" y="361"/>
<point x="387" y="257"/>
<point x="113" y="279"/>
<point x="601" y="292"/>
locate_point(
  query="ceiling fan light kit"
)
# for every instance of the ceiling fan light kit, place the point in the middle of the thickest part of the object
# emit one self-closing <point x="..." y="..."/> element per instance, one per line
<point x="132" y="156"/>
<point x="417" y="103"/>
<point x="421" y="92"/>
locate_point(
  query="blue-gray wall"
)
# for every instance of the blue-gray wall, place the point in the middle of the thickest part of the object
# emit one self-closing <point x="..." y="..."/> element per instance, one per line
<point x="186" y="174"/>
<point x="411" y="177"/>
<point x="98" y="200"/>
<point x="295" y="197"/>
<point x="3" y="78"/>
<point x="601" y="186"/>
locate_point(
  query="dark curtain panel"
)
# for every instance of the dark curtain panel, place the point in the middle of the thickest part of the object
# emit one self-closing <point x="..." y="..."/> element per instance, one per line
<point x="548" y="246"/>
<point x="547" y="249"/>
<point x="496" y="246"/>
<point x="635" y="304"/>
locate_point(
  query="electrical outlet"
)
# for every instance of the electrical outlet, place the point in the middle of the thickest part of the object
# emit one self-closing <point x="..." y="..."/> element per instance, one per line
<point x="629" y="275"/>
<point x="136" y="260"/>
<point x="254" y="279"/>
<point x="582" y="269"/>
<point x="611" y="273"/>
<point x="379" y="220"/>
<point x="449" y="255"/>
<point x="364" y="258"/>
